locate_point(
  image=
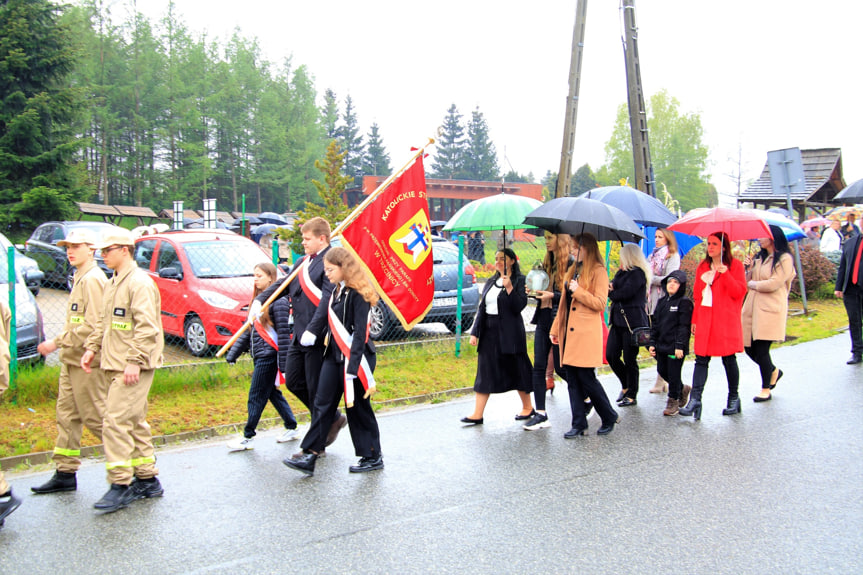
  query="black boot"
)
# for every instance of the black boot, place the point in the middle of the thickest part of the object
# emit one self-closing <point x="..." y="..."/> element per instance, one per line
<point x="114" y="499"/>
<point x="8" y="504"/>
<point x="303" y="462"/>
<point x="60" y="481"/>
<point x="693" y="407"/>
<point x="733" y="405"/>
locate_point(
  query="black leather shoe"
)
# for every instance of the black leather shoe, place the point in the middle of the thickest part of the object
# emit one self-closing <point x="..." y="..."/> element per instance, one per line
<point x="368" y="464"/>
<point x="608" y="427"/>
<point x="520" y="417"/>
<point x="621" y="396"/>
<point x="8" y="504"/>
<point x="759" y="399"/>
<point x="855" y="359"/>
<point x="627" y="402"/>
<point x="339" y="424"/>
<point x="60" y="481"/>
<point x="143" y="489"/>
<point x="472" y="421"/>
<point x="114" y="499"/>
<point x="778" y="377"/>
<point x="302" y="462"/>
<point x="575" y="432"/>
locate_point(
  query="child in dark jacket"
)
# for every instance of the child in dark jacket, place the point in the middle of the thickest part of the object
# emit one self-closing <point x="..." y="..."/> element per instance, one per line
<point x="669" y="338"/>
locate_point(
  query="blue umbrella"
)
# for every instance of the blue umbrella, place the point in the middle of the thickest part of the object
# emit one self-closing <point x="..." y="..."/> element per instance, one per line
<point x="685" y="242"/>
<point x="789" y="227"/>
<point x="642" y="208"/>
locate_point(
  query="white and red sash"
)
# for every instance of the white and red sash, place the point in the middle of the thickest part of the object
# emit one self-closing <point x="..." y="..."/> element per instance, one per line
<point x="312" y="291"/>
<point x="268" y="334"/>
<point x="344" y="340"/>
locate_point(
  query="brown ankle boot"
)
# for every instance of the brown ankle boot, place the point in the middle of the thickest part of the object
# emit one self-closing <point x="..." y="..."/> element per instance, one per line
<point x="672" y="406"/>
<point x="684" y="395"/>
<point x="660" y="386"/>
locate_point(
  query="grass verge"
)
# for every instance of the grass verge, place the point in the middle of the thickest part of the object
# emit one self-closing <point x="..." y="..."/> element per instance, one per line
<point x="192" y="398"/>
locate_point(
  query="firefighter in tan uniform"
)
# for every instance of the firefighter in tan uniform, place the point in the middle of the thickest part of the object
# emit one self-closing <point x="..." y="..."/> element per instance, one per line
<point x="81" y="396"/>
<point x="8" y="502"/>
<point x="129" y="335"/>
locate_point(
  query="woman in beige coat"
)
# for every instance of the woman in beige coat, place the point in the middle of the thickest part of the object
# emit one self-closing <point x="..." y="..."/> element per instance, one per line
<point x="768" y="276"/>
<point x="577" y="329"/>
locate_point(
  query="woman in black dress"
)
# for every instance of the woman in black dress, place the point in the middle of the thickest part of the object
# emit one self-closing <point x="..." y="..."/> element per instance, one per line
<point x="498" y="331"/>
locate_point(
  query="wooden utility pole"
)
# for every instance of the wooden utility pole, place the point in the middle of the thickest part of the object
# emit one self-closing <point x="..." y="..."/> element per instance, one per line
<point x="644" y="180"/>
<point x="564" y="174"/>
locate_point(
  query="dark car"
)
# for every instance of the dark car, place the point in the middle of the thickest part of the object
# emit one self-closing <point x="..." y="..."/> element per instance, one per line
<point x="385" y="325"/>
<point x="27" y="267"/>
<point x="42" y="247"/>
<point x="29" y="332"/>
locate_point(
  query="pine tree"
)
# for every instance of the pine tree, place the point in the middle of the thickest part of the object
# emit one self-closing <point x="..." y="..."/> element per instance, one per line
<point x="351" y="141"/>
<point x="37" y="114"/>
<point x="377" y="160"/>
<point x="330" y="115"/>
<point x="480" y="156"/>
<point x="450" y="150"/>
<point x="331" y="190"/>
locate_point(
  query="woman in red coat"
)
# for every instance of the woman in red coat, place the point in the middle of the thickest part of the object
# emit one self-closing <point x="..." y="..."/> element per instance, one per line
<point x="720" y="286"/>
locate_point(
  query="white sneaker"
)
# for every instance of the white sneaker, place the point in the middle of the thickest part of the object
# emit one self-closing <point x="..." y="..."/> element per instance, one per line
<point x="288" y="435"/>
<point x="538" y="421"/>
<point x="242" y="444"/>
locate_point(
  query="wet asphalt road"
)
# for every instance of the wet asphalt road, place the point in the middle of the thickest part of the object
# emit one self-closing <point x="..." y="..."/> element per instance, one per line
<point x="773" y="490"/>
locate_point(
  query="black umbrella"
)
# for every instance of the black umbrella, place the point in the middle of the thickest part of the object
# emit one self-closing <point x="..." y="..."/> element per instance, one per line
<point x="575" y="216"/>
<point x="642" y="208"/>
<point x="851" y="194"/>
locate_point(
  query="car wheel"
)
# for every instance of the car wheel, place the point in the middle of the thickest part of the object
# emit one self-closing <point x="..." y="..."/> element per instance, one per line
<point x="70" y="278"/>
<point x="34" y="290"/>
<point x="466" y="323"/>
<point x="380" y="322"/>
<point x="196" y="336"/>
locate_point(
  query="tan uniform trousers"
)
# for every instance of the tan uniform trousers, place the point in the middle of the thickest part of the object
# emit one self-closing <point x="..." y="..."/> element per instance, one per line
<point x="80" y="402"/>
<point x="4" y="487"/>
<point x="125" y="432"/>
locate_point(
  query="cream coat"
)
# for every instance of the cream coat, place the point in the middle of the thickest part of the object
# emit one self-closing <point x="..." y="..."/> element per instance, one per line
<point x="766" y="307"/>
<point x="578" y="323"/>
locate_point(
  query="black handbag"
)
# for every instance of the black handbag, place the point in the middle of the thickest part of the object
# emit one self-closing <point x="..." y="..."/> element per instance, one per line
<point x="640" y="335"/>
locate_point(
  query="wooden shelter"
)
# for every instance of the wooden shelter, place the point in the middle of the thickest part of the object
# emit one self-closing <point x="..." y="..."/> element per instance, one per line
<point x="113" y="214"/>
<point x="822" y="169"/>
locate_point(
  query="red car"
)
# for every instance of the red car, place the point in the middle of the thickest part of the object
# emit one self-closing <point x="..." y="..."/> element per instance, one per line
<point x="205" y="280"/>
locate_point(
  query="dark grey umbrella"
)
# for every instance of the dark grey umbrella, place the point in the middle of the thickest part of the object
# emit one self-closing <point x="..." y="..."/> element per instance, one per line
<point x="272" y="218"/>
<point x="575" y="216"/>
<point x="642" y="208"/>
<point x="851" y="194"/>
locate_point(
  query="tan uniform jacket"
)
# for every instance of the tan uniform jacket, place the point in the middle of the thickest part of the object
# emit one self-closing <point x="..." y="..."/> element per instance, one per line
<point x="5" y="356"/>
<point x="129" y="330"/>
<point x="82" y="314"/>
<point x="766" y="307"/>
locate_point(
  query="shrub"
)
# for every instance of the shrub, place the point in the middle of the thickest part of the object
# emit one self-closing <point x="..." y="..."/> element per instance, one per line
<point x="818" y="272"/>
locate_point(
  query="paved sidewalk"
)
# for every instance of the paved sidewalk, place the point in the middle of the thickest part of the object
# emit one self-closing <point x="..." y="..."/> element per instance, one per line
<point x="773" y="490"/>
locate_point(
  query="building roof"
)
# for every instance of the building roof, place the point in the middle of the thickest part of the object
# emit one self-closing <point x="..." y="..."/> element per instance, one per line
<point x="822" y="169"/>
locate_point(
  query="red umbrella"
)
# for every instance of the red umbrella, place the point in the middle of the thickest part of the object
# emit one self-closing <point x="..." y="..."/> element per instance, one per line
<point x="738" y="224"/>
<point x="812" y="222"/>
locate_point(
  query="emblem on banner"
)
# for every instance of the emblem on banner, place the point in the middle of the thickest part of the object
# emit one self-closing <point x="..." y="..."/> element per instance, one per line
<point x="412" y="241"/>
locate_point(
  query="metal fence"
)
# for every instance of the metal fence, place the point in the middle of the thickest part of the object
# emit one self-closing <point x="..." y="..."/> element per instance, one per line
<point x="206" y="283"/>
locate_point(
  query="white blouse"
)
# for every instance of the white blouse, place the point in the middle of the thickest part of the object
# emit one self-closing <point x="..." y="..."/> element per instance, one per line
<point x="491" y="299"/>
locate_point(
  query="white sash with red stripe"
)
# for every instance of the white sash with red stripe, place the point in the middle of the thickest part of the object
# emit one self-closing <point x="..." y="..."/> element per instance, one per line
<point x="312" y="291"/>
<point x="270" y="336"/>
<point x="344" y="340"/>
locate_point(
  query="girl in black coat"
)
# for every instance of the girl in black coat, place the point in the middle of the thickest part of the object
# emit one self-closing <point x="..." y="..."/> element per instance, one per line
<point x="628" y="295"/>
<point x="349" y="363"/>
<point x="263" y="341"/>
<point x="669" y="338"/>
<point x="498" y="332"/>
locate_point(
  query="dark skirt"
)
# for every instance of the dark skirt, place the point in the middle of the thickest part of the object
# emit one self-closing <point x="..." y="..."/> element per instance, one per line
<point x="497" y="372"/>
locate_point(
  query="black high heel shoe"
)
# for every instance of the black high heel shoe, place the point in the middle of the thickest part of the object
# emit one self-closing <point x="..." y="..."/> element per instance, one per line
<point x="778" y="377"/>
<point x="471" y="421"/>
<point x="575" y="432"/>
<point x="732" y="407"/>
<point x="692" y="408"/>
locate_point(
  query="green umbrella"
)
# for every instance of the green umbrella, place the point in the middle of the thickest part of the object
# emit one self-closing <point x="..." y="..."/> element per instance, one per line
<point x="497" y="212"/>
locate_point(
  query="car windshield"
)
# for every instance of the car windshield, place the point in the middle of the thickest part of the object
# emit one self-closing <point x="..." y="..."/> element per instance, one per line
<point x="223" y="259"/>
<point x="443" y="254"/>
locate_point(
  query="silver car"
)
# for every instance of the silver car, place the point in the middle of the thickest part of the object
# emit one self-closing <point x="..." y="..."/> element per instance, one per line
<point x="28" y="318"/>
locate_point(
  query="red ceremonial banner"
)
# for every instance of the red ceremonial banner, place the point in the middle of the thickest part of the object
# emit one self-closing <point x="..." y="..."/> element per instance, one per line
<point x="391" y="238"/>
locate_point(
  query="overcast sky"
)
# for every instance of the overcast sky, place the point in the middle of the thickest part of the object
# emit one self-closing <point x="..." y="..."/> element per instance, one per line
<point x="763" y="75"/>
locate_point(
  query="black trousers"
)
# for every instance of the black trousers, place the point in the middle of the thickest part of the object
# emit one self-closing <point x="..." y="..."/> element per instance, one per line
<point x="670" y="368"/>
<point x="541" y="346"/>
<point x="262" y="390"/>
<point x="620" y="340"/>
<point x="759" y="352"/>
<point x="303" y="371"/>
<point x="699" y="375"/>
<point x="853" y="300"/>
<point x="361" y="417"/>
<point x="582" y="383"/>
